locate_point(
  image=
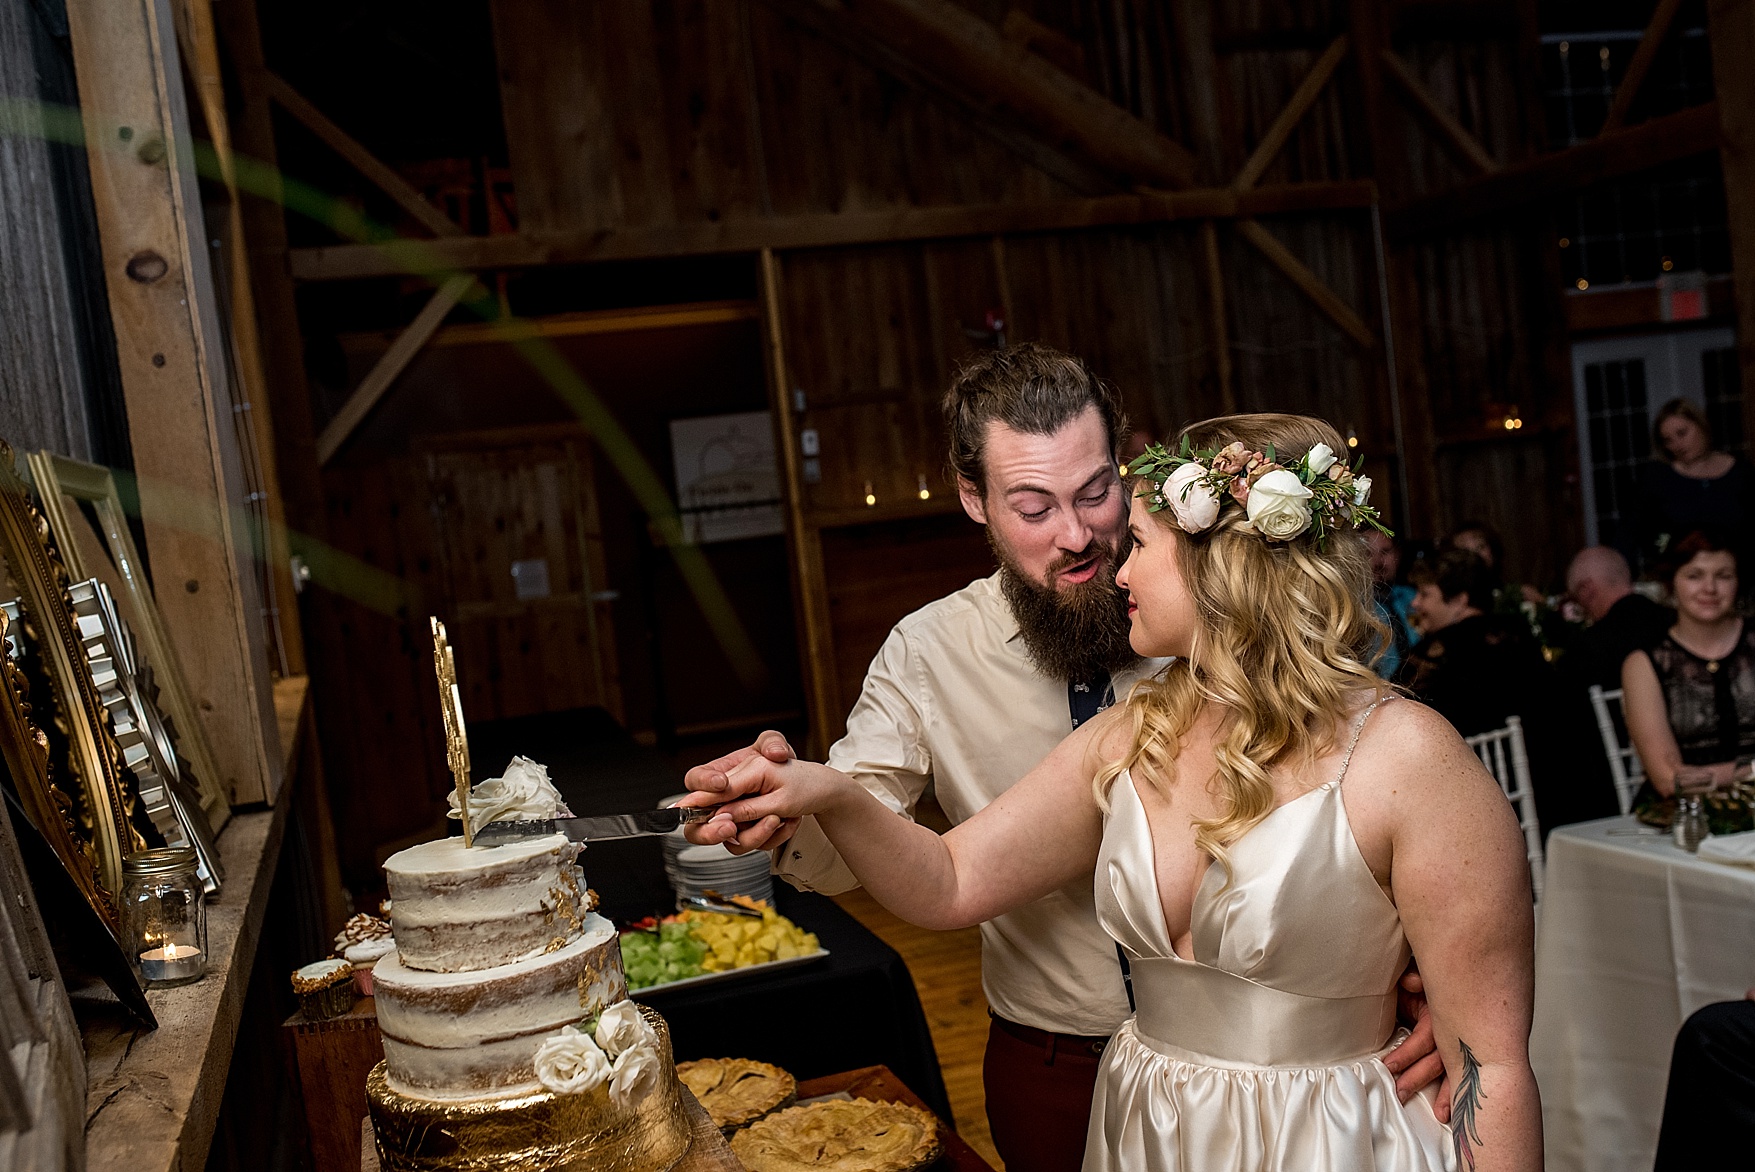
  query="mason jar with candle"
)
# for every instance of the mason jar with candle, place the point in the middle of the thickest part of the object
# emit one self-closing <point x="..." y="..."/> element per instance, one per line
<point x="164" y="916"/>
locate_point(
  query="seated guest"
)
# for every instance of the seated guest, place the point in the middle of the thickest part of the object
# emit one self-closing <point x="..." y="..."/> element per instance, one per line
<point x="1622" y="621"/>
<point x="1478" y="668"/>
<point x="1480" y="539"/>
<point x="1709" y="1107"/>
<point x="1474" y="667"/>
<point x="1393" y="599"/>
<point x="1691" y="698"/>
<point x="1692" y="486"/>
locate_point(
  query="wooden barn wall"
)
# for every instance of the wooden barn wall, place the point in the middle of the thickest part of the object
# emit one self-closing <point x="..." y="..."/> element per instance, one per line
<point x="625" y="113"/>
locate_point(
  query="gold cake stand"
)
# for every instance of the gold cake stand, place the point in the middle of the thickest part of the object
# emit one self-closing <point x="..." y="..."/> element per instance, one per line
<point x="537" y="1131"/>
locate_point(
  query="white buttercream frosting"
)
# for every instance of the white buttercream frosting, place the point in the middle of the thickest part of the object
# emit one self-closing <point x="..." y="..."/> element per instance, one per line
<point x="523" y="793"/>
<point x="570" y="1063"/>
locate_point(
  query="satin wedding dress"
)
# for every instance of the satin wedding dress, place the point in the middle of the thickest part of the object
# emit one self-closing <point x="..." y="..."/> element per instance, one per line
<point x="1264" y="1052"/>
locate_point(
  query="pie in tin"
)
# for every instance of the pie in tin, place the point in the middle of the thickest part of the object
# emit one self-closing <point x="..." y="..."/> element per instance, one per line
<point x="840" y="1135"/>
<point x="736" y="1091"/>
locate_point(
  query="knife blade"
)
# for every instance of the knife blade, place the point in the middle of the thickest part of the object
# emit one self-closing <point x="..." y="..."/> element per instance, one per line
<point x="601" y="828"/>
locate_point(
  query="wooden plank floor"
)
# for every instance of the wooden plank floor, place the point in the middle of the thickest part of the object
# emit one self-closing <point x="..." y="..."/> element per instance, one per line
<point x="947" y="973"/>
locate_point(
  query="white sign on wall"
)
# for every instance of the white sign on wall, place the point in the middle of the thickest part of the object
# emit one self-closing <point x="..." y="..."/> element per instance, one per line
<point x="727" y="481"/>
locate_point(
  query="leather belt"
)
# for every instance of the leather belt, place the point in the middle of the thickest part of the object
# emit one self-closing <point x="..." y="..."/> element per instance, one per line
<point x="1058" y="1043"/>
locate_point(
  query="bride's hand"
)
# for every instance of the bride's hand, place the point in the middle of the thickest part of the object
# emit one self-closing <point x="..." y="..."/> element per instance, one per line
<point x="714" y="778"/>
<point x="760" y="795"/>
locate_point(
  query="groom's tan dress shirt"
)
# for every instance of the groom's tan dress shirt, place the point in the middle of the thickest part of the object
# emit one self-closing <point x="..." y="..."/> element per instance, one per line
<point x="953" y="700"/>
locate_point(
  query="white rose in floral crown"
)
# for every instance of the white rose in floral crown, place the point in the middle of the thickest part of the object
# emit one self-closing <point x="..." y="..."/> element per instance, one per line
<point x="1319" y="459"/>
<point x="634" y="1075"/>
<point x="570" y="1063"/>
<point x="1194" y="503"/>
<point x="1279" y="505"/>
<point x="621" y="1027"/>
<point x="1361" y="489"/>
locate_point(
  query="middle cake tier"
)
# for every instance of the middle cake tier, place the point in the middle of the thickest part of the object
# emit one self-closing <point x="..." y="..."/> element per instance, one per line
<point x="465" y="1034"/>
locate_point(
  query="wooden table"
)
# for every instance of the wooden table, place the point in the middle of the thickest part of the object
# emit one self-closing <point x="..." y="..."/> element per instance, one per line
<point x="333" y="1058"/>
<point x="153" y="1096"/>
<point x="877" y="1083"/>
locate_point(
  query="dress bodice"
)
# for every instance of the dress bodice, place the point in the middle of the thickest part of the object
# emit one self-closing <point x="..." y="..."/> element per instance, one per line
<point x="1295" y="957"/>
<point x="1264" y="1052"/>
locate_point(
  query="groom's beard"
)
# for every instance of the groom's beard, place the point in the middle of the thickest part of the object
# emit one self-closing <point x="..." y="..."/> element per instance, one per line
<point x="1075" y="633"/>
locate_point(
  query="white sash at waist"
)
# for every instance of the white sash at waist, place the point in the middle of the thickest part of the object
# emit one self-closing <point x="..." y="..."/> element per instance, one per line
<point x="1217" y="1018"/>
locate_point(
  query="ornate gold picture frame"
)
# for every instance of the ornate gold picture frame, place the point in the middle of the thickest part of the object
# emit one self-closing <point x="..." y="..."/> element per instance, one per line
<point x="101" y="825"/>
<point x="59" y="477"/>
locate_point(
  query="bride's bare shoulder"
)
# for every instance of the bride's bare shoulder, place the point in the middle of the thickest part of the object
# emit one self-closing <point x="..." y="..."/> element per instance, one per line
<point x="1409" y="749"/>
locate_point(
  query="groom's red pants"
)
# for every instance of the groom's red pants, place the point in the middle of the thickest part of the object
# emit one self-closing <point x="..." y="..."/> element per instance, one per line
<point x="1039" y="1088"/>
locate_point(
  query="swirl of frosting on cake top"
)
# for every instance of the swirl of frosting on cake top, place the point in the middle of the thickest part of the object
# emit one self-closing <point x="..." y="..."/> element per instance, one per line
<point x="522" y="794"/>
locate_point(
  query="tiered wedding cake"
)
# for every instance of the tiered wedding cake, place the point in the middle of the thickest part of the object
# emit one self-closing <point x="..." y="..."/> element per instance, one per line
<point x="509" y="1039"/>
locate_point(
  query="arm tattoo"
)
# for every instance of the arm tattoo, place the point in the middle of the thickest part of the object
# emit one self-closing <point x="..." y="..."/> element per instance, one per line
<point x="1463" y="1132"/>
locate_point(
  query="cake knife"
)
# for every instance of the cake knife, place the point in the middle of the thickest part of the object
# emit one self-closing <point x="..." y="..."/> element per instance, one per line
<point x="597" y="829"/>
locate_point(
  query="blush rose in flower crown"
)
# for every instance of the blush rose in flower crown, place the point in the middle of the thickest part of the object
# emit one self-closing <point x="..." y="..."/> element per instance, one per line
<point x="1317" y="494"/>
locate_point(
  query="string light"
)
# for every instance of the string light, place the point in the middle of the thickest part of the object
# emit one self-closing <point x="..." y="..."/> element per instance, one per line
<point x="870" y="496"/>
<point x="1352" y="438"/>
<point x="925" y="492"/>
<point x="1513" y="421"/>
<point x="1583" y="284"/>
<point x="1668" y="264"/>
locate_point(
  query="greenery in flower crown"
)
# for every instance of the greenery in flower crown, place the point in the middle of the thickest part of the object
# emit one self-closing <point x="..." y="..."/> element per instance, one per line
<point x="1318" y="493"/>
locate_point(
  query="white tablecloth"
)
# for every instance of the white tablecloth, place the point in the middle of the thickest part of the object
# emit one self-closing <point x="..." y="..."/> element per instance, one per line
<point x="1633" y="935"/>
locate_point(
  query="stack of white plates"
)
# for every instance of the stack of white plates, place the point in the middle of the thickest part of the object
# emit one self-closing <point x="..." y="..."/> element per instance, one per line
<point x="695" y="870"/>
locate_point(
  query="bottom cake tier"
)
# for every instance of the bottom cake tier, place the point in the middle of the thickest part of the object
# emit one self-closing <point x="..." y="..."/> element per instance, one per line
<point x="534" y="1132"/>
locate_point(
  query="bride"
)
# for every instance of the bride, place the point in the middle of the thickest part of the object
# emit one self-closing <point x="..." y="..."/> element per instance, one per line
<point x="1271" y="832"/>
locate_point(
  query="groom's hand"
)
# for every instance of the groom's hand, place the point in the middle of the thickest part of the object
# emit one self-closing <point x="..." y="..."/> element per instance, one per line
<point x="1416" y="1063"/>
<point x="715" y="777"/>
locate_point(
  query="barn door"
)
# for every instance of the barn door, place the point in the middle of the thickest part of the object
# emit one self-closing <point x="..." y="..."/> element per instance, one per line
<point x="521" y="568"/>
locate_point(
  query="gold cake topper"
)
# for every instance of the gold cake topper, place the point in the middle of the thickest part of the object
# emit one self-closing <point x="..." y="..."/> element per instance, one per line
<point x="456" y="739"/>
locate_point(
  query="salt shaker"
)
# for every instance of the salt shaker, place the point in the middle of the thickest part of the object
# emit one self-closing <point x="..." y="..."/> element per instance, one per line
<point x="1689" y="827"/>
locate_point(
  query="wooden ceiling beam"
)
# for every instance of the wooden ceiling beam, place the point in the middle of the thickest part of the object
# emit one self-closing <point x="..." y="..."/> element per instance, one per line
<point x="960" y="55"/>
<point x="1302" y="99"/>
<point x="390" y="366"/>
<point x="1662" y="140"/>
<point x="1308" y="283"/>
<point x="362" y="160"/>
<point x="1643" y="56"/>
<point x="1465" y="146"/>
<point x="434" y="258"/>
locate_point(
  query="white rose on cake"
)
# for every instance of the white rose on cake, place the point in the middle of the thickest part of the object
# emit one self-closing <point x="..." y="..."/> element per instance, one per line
<point x="1194" y="503"/>
<point x="1279" y="505"/>
<point x="621" y="1028"/>
<point x="570" y="1063"/>
<point x="522" y="794"/>
<point x="634" y="1075"/>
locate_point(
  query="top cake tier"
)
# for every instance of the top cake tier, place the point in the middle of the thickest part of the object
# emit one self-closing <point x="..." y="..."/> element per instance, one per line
<point x="456" y="909"/>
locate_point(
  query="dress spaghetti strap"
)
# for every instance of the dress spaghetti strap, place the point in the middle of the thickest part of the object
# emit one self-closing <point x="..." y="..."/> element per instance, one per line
<point x="1358" y="729"/>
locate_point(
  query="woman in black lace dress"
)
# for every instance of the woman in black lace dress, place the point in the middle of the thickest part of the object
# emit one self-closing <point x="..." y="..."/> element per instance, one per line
<point x="1690" y="699"/>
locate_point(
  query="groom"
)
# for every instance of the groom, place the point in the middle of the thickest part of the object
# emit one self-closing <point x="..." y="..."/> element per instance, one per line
<point x="970" y="692"/>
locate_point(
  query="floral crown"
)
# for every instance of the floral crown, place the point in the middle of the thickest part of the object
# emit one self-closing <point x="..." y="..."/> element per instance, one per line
<point x="1318" y="493"/>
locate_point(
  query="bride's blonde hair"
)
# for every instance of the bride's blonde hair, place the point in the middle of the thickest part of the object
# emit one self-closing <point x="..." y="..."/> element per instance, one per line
<point x="1287" y="633"/>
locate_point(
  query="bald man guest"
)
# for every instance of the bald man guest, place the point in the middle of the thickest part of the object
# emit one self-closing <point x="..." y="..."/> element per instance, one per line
<point x="1622" y="620"/>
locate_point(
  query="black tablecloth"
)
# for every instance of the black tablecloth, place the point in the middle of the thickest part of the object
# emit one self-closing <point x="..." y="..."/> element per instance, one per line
<point x="856" y="1007"/>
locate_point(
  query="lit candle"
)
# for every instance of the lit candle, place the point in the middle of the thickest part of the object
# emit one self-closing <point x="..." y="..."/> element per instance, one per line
<point x="172" y="962"/>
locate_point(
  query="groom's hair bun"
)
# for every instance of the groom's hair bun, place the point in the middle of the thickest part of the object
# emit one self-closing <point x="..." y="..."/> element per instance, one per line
<point x="1030" y="388"/>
